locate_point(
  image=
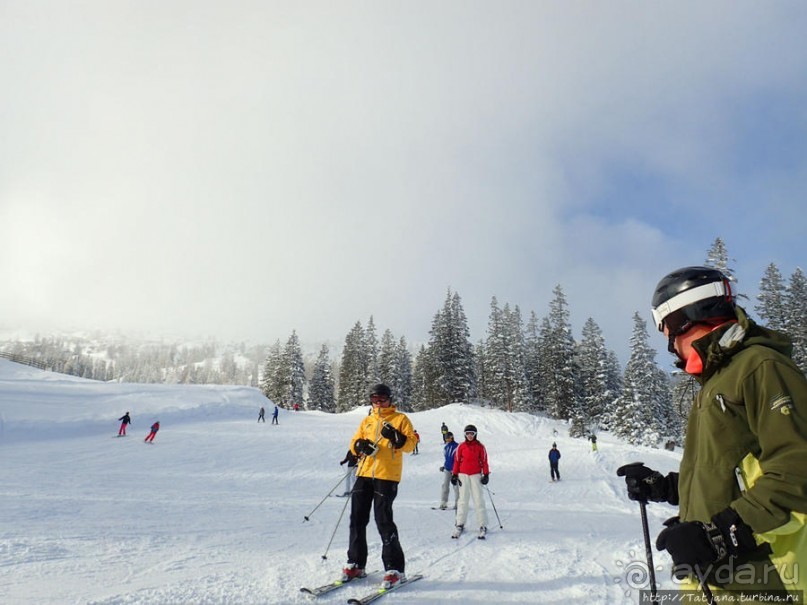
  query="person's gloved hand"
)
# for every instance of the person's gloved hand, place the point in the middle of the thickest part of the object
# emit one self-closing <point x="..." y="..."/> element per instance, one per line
<point x="442" y="468"/>
<point x="455" y="480"/>
<point x="694" y="543"/>
<point x="644" y="484"/>
<point x="396" y="437"/>
<point x="365" y="446"/>
<point x="485" y="479"/>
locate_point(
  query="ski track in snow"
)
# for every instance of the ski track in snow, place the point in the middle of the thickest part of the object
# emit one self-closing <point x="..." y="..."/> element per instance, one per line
<point x="213" y="512"/>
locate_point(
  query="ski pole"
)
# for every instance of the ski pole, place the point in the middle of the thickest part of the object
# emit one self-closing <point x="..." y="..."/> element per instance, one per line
<point x="647" y="549"/>
<point x="342" y="478"/>
<point x="707" y="592"/>
<point x="494" y="508"/>
<point x="338" y="522"/>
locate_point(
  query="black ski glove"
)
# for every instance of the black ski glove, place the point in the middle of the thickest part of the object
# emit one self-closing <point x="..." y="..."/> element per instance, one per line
<point x="365" y="446"/>
<point x="645" y="484"/>
<point x="694" y="543"/>
<point x="396" y="437"/>
<point x="455" y="480"/>
<point x="442" y="468"/>
<point x="485" y="479"/>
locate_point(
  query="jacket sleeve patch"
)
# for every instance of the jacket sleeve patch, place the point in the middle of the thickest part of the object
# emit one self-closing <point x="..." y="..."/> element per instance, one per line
<point x="783" y="403"/>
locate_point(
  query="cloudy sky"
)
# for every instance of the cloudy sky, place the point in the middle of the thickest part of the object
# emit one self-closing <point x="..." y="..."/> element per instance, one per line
<point x="246" y="168"/>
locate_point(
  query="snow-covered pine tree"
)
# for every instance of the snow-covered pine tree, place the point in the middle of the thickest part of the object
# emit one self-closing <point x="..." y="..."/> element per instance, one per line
<point x="321" y="388"/>
<point x="559" y="372"/>
<point x="387" y="360"/>
<point x="270" y="383"/>
<point x="481" y="371"/>
<point x="519" y="394"/>
<point x="796" y="316"/>
<point x="593" y="363"/>
<point x="424" y="381"/>
<point x="718" y="257"/>
<point x="403" y="376"/>
<point x="395" y="369"/>
<point x="772" y="294"/>
<point x="291" y="373"/>
<point x="644" y="408"/>
<point x="353" y="371"/>
<point x="495" y="358"/>
<point x="371" y="350"/>
<point x="532" y="362"/>
<point x="613" y="377"/>
<point x="451" y="352"/>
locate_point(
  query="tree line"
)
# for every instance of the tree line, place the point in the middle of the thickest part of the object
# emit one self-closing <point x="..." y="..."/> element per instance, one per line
<point x="526" y="366"/>
<point x="532" y="365"/>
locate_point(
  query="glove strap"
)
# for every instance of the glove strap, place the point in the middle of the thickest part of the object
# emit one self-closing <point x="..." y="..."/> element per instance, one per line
<point x="717" y="540"/>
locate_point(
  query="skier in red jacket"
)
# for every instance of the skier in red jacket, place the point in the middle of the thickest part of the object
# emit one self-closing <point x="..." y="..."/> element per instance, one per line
<point x="470" y="472"/>
<point x="154" y="428"/>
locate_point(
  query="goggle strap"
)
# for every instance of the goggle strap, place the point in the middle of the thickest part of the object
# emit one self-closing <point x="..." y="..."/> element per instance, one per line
<point x="679" y="301"/>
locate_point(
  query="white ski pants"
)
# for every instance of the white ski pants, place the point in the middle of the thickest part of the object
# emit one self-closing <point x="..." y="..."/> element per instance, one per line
<point x="445" y="489"/>
<point x="471" y="487"/>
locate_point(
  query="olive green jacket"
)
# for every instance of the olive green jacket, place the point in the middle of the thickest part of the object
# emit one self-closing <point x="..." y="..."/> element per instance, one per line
<point x="746" y="446"/>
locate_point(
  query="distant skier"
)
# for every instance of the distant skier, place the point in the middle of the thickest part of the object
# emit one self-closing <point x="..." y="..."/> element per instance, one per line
<point x="262" y="415"/>
<point x="470" y="472"/>
<point x="417" y="442"/>
<point x="124" y="420"/>
<point x="593" y="439"/>
<point x="449" y="449"/>
<point x="154" y="428"/>
<point x="274" y="416"/>
<point x="444" y="431"/>
<point x="554" y="458"/>
<point x="350" y="478"/>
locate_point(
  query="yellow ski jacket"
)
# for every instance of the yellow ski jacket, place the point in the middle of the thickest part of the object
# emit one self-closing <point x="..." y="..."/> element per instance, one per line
<point x="387" y="462"/>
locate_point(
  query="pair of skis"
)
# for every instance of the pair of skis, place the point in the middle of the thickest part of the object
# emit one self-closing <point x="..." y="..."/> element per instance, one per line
<point x="371" y="596"/>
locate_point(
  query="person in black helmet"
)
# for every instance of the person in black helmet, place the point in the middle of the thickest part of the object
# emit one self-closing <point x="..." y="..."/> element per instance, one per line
<point x="470" y="472"/>
<point x="742" y="485"/>
<point x="380" y="442"/>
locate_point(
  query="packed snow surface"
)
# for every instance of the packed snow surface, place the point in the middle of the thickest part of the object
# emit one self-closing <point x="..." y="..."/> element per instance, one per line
<point x="214" y="511"/>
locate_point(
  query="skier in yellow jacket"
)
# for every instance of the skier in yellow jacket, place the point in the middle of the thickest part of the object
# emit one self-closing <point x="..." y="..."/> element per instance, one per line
<point x="381" y="440"/>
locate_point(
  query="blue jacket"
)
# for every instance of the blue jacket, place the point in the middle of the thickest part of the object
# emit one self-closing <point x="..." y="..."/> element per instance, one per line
<point x="449" y="450"/>
<point x="554" y="455"/>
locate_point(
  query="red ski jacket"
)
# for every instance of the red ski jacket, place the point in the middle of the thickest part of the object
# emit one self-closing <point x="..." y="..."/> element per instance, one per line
<point x="471" y="459"/>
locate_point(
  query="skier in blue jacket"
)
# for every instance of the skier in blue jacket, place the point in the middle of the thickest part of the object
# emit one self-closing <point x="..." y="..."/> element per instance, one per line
<point x="554" y="458"/>
<point x="449" y="449"/>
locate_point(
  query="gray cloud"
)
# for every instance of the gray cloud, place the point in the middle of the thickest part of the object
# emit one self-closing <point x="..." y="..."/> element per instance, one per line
<point x="245" y="169"/>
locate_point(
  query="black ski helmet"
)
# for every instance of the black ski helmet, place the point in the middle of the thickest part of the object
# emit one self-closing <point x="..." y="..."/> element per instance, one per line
<point x="470" y="429"/>
<point x="381" y="390"/>
<point x="690" y="295"/>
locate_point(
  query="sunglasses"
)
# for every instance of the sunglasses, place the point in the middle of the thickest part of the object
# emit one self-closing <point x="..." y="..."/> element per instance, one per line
<point x="378" y="398"/>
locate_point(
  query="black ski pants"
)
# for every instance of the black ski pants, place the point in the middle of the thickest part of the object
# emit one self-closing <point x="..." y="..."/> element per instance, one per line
<point x="553" y="470"/>
<point x="377" y="494"/>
